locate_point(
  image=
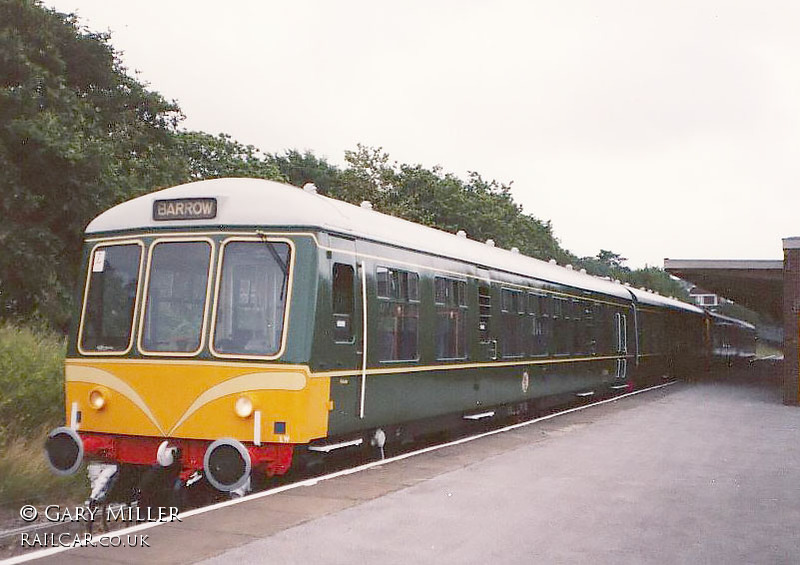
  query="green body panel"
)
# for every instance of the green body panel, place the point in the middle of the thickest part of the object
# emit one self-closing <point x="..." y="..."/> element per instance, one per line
<point x="404" y="391"/>
<point x="397" y="398"/>
<point x="423" y="391"/>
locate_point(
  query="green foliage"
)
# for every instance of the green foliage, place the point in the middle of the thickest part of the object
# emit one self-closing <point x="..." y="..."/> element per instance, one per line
<point x="31" y="380"/>
<point x="656" y="279"/>
<point x="484" y="209"/>
<point x="610" y="259"/>
<point x="31" y="404"/>
<point x="77" y="135"/>
<point x="301" y="168"/>
<point x="612" y="265"/>
<point x="200" y="156"/>
<point x="25" y="476"/>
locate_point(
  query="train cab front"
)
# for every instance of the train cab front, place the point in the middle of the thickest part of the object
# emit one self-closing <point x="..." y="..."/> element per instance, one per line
<point x="183" y="362"/>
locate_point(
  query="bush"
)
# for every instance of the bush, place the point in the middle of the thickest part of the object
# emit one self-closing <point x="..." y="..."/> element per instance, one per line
<point x="31" y="380"/>
<point x="31" y="404"/>
<point x="25" y="476"/>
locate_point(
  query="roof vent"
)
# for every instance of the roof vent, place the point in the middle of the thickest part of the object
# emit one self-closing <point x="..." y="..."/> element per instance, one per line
<point x="490" y="242"/>
<point x="568" y="267"/>
<point x="616" y="281"/>
<point x="642" y="288"/>
<point x="583" y="271"/>
<point x="627" y="284"/>
<point x="515" y="250"/>
<point x="553" y="262"/>
<point x="310" y="187"/>
<point x="367" y="205"/>
<point x="461" y="233"/>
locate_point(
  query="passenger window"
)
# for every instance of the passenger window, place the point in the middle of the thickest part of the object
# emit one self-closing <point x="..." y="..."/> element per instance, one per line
<point x="451" y="318"/>
<point x="513" y="323"/>
<point x="622" y="332"/>
<point x="538" y="343"/>
<point x="562" y="333"/>
<point x="398" y="314"/>
<point x="579" y="342"/>
<point x="343" y="303"/>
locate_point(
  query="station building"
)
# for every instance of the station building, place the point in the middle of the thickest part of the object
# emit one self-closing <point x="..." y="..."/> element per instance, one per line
<point x="769" y="287"/>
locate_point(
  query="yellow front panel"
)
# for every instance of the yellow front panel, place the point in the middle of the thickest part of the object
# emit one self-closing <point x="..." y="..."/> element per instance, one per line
<point x="195" y="399"/>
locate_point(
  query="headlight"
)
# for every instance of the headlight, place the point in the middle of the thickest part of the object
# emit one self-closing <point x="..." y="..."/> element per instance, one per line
<point x="243" y="407"/>
<point x="97" y="399"/>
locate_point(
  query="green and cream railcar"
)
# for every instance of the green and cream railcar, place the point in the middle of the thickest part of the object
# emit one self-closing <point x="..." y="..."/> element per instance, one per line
<point x="223" y="323"/>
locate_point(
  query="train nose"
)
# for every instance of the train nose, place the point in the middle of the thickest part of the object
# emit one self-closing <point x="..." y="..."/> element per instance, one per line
<point x="64" y="450"/>
<point x="227" y="464"/>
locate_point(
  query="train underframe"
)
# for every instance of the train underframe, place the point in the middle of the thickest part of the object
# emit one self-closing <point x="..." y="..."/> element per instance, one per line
<point x="129" y="468"/>
<point x="155" y="471"/>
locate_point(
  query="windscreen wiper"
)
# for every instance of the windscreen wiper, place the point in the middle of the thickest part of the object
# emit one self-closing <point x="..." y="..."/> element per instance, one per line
<point x="284" y="266"/>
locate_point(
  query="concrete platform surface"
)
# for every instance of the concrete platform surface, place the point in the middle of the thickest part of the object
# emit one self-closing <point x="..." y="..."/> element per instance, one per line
<point x="694" y="473"/>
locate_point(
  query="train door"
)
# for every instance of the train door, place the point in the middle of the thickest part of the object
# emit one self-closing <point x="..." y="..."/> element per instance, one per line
<point x="488" y="331"/>
<point x="349" y="313"/>
<point x="621" y="326"/>
<point x="346" y="304"/>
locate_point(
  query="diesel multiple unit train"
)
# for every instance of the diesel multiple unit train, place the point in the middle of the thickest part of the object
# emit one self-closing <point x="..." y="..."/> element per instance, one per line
<point x="227" y="326"/>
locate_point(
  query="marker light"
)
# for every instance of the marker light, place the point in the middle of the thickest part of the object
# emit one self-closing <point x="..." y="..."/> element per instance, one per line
<point x="243" y="407"/>
<point x="97" y="399"/>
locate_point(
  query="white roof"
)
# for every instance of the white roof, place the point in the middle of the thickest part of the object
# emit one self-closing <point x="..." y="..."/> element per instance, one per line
<point x="652" y="299"/>
<point x="734" y="321"/>
<point x="256" y="202"/>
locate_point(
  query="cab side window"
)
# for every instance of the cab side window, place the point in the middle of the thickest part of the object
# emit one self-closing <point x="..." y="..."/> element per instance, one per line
<point x="343" y="303"/>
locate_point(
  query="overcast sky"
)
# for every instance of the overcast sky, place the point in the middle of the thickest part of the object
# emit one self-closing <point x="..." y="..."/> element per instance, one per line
<point x="654" y="129"/>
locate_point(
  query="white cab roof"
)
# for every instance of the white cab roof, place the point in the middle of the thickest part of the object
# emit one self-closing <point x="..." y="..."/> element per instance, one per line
<point x="268" y="204"/>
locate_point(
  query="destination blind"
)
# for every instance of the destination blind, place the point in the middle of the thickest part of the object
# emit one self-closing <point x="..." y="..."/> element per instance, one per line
<point x="185" y="209"/>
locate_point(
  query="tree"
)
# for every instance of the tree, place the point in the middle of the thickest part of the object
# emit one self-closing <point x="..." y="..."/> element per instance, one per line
<point x="484" y="209"/>
<point x="301" y="168"/>
<point x="611" y="260"/>
<point x="658" y="280"/>
<point x="200" y="156"/>
<point x="77" y="135"/>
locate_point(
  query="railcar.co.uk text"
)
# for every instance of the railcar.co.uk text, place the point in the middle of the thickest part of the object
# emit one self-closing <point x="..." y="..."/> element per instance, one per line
<point x="87" y="540"/>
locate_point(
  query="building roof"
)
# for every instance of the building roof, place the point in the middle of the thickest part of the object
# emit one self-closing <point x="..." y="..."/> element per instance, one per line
<point x="697" y="291"/>
<point x="756" y="284"/>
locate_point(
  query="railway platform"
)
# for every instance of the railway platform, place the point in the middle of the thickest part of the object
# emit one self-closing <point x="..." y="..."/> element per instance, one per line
<point x="697" y="472"/>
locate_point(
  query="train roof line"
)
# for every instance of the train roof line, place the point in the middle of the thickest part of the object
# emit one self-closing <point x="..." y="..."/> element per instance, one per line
<point x="257" y="202"/>
<point x="729" y="319"/>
